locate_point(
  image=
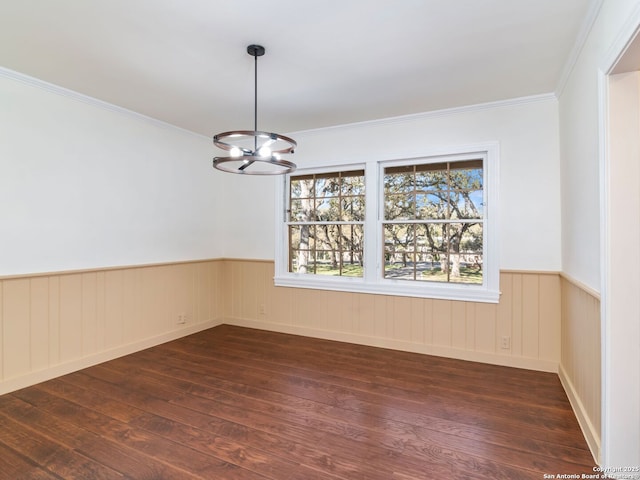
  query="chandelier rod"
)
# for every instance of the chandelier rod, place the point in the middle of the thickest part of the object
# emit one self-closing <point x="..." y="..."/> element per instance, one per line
<point x="255" y="100"/>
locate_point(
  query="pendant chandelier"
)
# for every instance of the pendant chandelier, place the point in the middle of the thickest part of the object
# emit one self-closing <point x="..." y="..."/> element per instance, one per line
<point x="254" y="152"/>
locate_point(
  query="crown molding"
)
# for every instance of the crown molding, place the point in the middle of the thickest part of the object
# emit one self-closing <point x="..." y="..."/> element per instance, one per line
<point x="585" y="29"/>
<point x="86" y="99"/>
<point x="621" y="44"/>
<point x="544" y="97"/>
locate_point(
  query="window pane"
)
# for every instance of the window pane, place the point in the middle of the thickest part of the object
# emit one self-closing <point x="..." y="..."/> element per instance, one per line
<point x="431" y="238"/>
<point x="352" y="209"/>
<point x="399" y="182"/>
<point x="301" y="210"/>
<point x="353" y="183"/>
<point x="399" y="207"/>
<point x="351" y="237"/>
<point x="400" y="266"/>
<point x="465" y="204"/>
<point x="435" y="179"/>
<point x="312" y="265"/>
<point x="465" y="252"/>
<point x="302" y="188"/>
<point x="326" y="238"/>
<point x="302" y="236"/>
<point x="399" y="238"/>
<point x="432" y="206"/>
<point x="302" y="261"/>
<point x="352" y="247"/>
<point x="352" y="269"/>
<point x="477" y="197"/>
<point x="327" y="210"/>
<point x="466" y="175"/>
<point x="327" y="262"/>
<point x="432" y="252"/>
<point x="400" y="251"/>
<point x="327" y="187"/>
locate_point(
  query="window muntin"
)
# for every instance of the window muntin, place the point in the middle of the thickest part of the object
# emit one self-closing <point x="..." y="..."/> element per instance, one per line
<point x="433" y="222"/>
<point x="326" y="223"/>
<point x="481" y="223"/>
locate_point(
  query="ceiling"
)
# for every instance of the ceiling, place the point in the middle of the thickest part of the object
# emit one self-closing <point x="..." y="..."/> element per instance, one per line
<point x="327" y="62"/>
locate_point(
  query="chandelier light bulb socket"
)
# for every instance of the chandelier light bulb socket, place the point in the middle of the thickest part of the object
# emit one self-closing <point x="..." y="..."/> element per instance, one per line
<point x="264" y="152"/>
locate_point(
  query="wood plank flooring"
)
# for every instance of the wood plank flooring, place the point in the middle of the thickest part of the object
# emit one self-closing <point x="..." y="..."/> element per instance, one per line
<point x="236" y="403"/>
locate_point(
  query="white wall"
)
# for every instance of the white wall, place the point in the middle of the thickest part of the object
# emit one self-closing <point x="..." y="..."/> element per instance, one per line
<point x="579" y="146"/>
<point x="526" y="129"/>
<point x="583" y="148"/>
<point x="84" y="185"/>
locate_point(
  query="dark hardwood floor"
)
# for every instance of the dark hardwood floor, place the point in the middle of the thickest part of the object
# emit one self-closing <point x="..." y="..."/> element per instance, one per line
<point x="235" y="403"/>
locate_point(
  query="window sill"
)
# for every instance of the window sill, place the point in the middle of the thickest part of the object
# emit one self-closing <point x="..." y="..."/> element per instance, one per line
<point x="402" y="288"/>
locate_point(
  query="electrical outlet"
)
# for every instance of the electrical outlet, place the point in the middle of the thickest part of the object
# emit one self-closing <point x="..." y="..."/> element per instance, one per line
<point x="505" y="342"/>
<point x="182" y="318"/>
<point x="262" y="309"/>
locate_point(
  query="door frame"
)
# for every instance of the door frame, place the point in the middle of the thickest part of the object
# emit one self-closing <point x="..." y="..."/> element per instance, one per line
<point x="620" y="334"/>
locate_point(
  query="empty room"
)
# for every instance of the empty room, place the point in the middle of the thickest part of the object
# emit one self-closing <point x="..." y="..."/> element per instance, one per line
<point x="319" y="240"/>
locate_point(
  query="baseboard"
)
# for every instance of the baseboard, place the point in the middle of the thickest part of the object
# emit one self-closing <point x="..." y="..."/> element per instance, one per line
<point x="588" y="430"/>
<point x="449" y="352"/>
<point x="60" y="369"/>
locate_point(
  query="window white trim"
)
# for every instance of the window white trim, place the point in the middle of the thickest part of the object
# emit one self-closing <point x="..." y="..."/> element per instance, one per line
<point x="372" y="281"/>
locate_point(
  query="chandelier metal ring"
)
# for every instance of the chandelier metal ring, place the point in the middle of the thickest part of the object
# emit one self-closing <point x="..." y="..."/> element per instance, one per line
<point x="220" y="140"/>
<point x="241" y="164"/>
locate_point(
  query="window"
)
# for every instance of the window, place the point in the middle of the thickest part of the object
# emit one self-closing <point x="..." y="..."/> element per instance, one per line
<point x="433" y="226"/>
<point x="326" y="223"/>
<point x="421" y="227"/>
